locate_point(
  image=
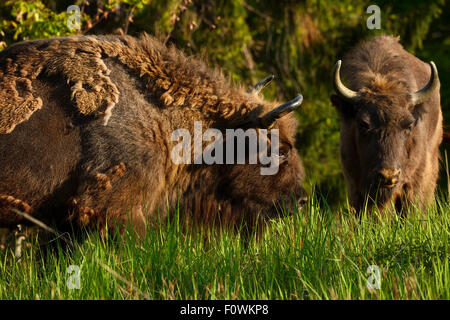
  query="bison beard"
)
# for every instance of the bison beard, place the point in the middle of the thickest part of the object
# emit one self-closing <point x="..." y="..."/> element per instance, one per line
<point x="85" y="128"/>
<point x="391" y="125"/>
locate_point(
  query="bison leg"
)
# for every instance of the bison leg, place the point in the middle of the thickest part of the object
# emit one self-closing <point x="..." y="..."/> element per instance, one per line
<point x="104" y="200"/>
<point x="9" y="217"/>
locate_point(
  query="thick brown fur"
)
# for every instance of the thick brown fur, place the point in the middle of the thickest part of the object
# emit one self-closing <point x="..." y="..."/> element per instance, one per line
<point x="94" y="147"/>
<point x="373" y="132"/>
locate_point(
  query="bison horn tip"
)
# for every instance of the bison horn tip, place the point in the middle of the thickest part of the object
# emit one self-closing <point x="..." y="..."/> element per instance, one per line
<point x="426" y="92"/>
<point x="269" y="119"/>
<point x="260" y="85"/>
<point x="340" y="88"/>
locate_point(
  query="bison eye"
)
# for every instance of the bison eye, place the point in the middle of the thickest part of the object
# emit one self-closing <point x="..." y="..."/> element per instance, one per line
<point x="284" y="152"/>
<point x="364" y="125"/>
<point x="408" y="124"/>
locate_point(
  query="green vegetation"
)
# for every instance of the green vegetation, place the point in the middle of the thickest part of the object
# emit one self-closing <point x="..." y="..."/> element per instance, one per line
<point x="319" y="253"/>
<point x="314" y="254"/>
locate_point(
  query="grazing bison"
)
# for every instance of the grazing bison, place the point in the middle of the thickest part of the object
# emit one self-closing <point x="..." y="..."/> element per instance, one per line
<point x="391" y="124"/>
<point x="86" y="129"/>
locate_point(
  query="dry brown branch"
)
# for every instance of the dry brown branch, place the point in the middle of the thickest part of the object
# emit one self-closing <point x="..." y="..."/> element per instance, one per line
<point x="43" y="226"/>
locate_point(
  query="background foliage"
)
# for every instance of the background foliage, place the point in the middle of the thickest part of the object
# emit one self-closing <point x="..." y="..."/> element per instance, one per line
<point x="298" y="41"/>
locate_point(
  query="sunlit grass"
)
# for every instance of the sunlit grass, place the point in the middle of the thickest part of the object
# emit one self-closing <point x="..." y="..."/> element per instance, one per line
<point x="313" y="254"/>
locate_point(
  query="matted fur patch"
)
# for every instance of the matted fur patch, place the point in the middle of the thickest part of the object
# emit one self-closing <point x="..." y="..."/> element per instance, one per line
<point x="17" y="102"/>
<point x="78" y="62"/>
<point x="174" y="79"/>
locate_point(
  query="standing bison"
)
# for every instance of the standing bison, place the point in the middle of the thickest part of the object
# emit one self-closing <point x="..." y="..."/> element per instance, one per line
<point x="86" y="129"/>
<point x="391" y="125"/>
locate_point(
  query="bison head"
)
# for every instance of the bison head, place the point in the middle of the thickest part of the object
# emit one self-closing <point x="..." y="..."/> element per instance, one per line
<point x="280" y="191"/>
<point x="381" y="127"/>
<point x="238" y="188"/>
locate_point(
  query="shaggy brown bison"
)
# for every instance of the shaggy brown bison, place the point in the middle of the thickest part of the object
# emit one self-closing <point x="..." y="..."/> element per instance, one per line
<point x="391" y="124"/>
<point x="86" y="128"/>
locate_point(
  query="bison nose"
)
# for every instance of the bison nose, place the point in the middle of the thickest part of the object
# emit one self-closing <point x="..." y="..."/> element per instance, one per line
<point x="389" y="177"/>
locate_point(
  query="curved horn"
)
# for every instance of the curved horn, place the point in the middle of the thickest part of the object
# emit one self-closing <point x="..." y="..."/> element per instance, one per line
<point x="425" y="93"/>
<point x="260" y="85"/>
<point x="342" y="90"/>
<point x="268" y="120"/>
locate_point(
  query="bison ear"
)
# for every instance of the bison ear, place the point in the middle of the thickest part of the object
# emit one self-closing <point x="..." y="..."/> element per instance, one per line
<point x="345" y="108"/>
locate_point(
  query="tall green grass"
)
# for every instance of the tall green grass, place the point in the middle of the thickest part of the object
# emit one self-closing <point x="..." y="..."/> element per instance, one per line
<point x="312" y="254"/>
